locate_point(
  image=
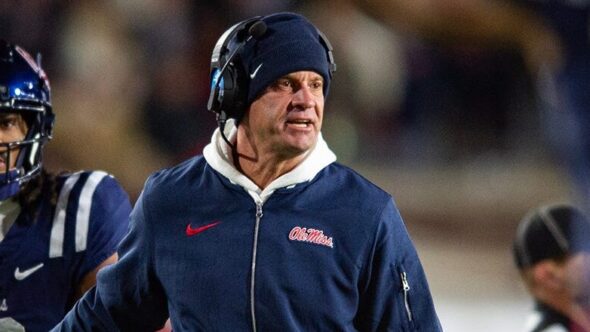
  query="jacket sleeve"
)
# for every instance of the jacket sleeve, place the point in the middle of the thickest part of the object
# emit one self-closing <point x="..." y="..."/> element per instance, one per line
<point x="394" y="291"/>
<point x="127" y="295"/>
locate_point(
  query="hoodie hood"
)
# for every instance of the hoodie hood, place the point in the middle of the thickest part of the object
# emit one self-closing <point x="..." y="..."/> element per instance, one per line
<point x="218" y="155"/>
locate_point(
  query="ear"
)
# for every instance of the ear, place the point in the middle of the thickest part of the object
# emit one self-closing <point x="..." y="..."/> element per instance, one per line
<point x="548" y="274"/>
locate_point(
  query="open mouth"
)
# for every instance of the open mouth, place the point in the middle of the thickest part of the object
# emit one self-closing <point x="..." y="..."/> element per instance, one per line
<point x="301" y="123"/>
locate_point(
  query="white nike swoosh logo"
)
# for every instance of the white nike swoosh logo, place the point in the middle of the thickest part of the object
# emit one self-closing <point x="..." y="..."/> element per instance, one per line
<point x="20" y="275"/>
<point x="255" y="71"/>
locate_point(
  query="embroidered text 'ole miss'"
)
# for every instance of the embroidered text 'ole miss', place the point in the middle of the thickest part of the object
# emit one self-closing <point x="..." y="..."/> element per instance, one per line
<point x="310" y="235"/>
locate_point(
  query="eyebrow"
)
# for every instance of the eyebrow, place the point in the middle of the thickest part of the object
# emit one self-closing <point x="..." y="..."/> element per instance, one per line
<point x="315" y="77"/>
<point x="7" y="115"/>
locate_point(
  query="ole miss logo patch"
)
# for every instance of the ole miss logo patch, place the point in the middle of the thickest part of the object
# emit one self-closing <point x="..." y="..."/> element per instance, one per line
<point x="310" y="235"/>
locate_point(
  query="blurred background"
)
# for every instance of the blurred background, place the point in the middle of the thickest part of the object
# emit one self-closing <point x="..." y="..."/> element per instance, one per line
<point x="452" y="132"/>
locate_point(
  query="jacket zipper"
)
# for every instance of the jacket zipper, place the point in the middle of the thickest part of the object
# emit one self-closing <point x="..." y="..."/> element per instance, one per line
<point x="253" y="268"/>
<point x="406" y="290"/>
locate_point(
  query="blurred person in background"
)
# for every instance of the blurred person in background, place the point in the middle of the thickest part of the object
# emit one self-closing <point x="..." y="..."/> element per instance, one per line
<point x="264" y="231"/>
<point x="552" y="253"/>
<point x="56" y="231"/>
<point x="563" y="90"/>
<point x="554" y="40"/>
<point x="94" y="60"/>
<point x="102" y="82"/>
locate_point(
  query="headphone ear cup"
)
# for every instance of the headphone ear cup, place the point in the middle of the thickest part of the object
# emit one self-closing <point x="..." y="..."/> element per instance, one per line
<point x="235" y="87"/>
<point x="329" y="51"/>
<point x="229" y="83"/>
<point x="223" y="94"/>
<point x="213" y="102"/>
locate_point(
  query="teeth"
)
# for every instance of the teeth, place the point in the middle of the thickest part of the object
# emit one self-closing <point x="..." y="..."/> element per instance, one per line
<point x="300" y="123"/>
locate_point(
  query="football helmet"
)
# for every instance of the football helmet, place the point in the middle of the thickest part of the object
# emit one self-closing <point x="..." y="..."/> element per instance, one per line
<point x="24" y="89"/>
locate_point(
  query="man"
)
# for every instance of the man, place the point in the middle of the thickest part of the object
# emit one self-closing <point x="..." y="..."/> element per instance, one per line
<point x="552" y="252"/>
<point x="56" y="232"/>
<point x="264" y="231"/>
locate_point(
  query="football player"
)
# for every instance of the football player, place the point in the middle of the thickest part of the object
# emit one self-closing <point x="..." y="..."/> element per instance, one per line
<point x="56" y="231"/>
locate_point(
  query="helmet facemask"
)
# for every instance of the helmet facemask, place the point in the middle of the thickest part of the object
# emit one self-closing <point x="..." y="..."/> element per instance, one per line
<point x="28" y="159"/>
<point x="24" y="90"/>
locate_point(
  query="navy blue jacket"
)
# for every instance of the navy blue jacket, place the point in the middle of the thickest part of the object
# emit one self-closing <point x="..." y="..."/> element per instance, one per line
<point x="329" y="254"/>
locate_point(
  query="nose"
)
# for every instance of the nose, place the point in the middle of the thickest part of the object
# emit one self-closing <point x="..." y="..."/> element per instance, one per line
<point x="304" y="98"/>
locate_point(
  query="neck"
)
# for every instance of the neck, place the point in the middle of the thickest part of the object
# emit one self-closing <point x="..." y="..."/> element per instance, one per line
<point x="262" y="167"/>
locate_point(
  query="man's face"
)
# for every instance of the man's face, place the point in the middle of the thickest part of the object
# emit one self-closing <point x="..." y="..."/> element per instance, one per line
<point x="12" y="128"/>
<point x="287" y="118"/>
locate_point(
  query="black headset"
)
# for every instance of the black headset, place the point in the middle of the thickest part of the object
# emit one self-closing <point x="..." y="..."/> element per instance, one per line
<point x="229" y="80"/>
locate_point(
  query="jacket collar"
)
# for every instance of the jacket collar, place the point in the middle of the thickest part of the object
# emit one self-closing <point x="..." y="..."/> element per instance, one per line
<point x="218" y="155"/>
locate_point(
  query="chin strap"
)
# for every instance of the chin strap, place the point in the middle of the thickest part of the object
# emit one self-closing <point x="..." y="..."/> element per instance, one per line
<point x="9" y="188"/>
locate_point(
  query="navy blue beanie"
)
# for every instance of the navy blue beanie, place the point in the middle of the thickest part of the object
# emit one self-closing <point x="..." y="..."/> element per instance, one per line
<point x="551" y="232"/>
<point x="291" y="43"/>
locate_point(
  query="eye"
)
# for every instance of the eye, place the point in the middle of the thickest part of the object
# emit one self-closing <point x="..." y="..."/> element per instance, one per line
<point x="285" y="83"/>
<point x="8" y="122"/>
<point x="317" y="84"/>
